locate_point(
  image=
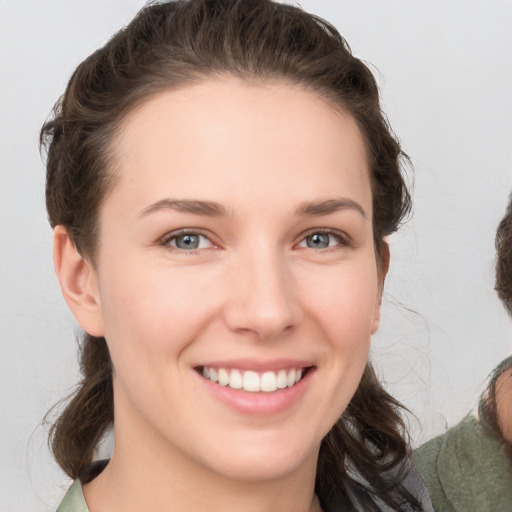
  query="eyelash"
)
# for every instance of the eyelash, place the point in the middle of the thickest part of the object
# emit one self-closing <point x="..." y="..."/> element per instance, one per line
<point x="341" y="238"/>
<point x="169" y="237"/>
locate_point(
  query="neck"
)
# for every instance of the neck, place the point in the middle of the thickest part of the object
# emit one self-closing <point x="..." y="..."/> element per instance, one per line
<point x="122" y="487"/>
<point x="147" y="475"/>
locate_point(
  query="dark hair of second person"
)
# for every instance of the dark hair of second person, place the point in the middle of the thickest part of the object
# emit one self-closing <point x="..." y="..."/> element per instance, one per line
<point x="495" y="408"/>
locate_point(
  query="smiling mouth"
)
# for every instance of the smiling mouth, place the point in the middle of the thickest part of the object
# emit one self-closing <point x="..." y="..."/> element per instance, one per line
<point x="252" y="381"/>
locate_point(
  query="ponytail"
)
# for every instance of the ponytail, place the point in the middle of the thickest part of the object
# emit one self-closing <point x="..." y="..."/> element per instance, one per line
<point x="364" y="453"/>
<point x="89" y="413"/>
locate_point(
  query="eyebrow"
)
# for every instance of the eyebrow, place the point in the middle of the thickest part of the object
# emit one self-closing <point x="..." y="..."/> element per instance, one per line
<point x="328" y="206"/>
<point x="214" y="209"/>
<point x="196" y="207"/>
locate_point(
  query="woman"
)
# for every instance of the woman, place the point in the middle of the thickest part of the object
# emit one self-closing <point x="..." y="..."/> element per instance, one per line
<point x="221" y="180"/>
<point x="469" y="467"/>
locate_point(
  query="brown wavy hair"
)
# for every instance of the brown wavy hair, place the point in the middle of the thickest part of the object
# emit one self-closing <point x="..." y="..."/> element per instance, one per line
<point x="172" y="44"/>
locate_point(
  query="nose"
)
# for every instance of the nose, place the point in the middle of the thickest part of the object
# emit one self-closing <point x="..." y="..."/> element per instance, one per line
<point x="262" y="297"/>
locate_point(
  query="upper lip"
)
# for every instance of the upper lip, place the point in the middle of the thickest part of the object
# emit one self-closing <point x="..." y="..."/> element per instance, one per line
<point x="257" y="365"/>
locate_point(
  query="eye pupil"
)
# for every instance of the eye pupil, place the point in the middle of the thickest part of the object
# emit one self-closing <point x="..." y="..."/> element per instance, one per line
<point x="187" y="242"/>
<point x="318" y="241"/>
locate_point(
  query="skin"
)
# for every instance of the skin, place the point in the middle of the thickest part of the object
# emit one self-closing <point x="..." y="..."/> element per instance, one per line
<point x="504" y="405"/>
<point x="281" y="164"/>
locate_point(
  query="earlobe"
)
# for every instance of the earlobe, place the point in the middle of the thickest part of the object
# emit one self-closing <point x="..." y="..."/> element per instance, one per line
<point x="383" y="264"/>
<point x="382" y="270"/>
<point x="78" y="282"/>
<point x="376" y="319"/>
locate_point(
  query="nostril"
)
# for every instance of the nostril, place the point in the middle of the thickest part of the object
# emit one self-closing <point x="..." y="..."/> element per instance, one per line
<point x="266" y="323"/>
<point x="261" y="297"/>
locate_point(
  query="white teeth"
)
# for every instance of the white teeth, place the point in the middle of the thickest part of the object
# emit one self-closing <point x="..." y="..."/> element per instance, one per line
<point x="282" y="380"/>
<point x="235" y="380"/>
<point x="223" y="377"/>
<point x="291" y="378"/>
<point x="268" y="382"/>
<point x="253" y="381"/>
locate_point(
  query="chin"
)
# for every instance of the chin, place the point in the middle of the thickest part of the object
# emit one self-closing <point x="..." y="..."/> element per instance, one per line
<point x="251" y="462"/>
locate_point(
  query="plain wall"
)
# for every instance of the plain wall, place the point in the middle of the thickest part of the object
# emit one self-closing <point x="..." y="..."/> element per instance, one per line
<point x="445" y="72"/>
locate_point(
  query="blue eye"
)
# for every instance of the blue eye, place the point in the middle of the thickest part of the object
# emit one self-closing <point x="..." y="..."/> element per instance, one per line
<point x="318" y="241"/>
<point x="321" y="240"/>
<point x="188" y="241"/>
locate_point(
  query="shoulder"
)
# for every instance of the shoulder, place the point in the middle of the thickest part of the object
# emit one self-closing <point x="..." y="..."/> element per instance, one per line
<point x="74" y="500"/>
<point x="413" y="484"/>
<point x="466" y="468"/>
<point x="409" y="492"/>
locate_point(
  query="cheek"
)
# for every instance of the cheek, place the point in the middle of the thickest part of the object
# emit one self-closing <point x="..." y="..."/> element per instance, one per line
<point x="153" y="314"/>
<point x="345" y="302"/>
<point x="344" y="306"/>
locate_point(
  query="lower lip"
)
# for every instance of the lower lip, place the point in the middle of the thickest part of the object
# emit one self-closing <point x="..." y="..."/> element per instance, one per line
<point x="258" y="403"/>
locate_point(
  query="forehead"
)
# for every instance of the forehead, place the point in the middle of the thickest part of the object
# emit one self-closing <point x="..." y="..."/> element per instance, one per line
<point x="231" y="138"/>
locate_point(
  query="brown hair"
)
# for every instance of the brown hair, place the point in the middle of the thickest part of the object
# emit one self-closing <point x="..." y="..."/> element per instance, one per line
<point x="503" y="284"/>
<point x="172" y="44"/>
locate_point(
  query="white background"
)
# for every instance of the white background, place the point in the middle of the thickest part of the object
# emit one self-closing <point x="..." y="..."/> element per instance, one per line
<point x="445" y="70"/>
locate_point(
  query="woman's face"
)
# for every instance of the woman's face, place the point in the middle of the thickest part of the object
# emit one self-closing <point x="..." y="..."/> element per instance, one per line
<point x="235" y="280"/>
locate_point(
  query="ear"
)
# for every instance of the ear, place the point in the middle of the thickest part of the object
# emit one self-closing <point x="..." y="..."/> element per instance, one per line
<point x="78" y="281"/>
<point x="382" y="270"/>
